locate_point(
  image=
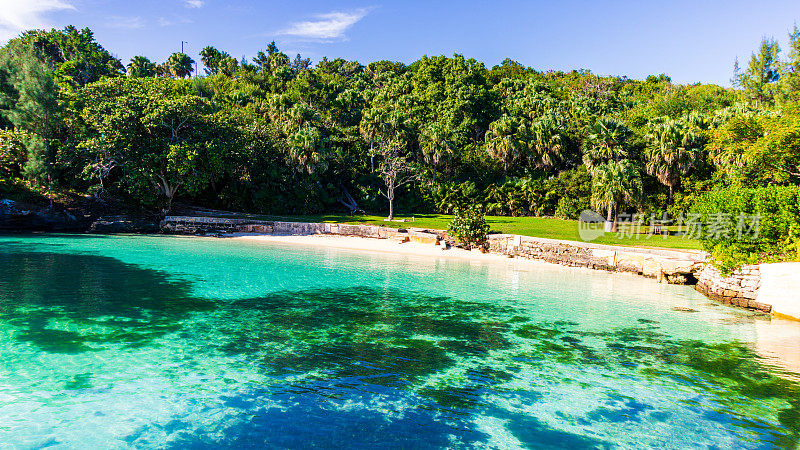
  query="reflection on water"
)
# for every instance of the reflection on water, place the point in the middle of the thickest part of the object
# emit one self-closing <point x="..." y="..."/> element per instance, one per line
<point x="171" y="342"/>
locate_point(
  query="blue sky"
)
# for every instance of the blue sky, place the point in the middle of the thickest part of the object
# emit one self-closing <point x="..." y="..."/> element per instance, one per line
<point x="692" y="41"/>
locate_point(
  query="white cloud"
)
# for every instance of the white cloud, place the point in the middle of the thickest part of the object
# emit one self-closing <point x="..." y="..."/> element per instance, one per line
<point x="167" y="22"/>
<point x="324" y="27"/>
<point x="194" y="3"/>
<point x="130" y="23"/>
<point x="20" y="15"/>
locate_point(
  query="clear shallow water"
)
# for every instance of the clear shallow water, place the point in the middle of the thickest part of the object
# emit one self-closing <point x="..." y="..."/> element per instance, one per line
<point x="171" y="342"/>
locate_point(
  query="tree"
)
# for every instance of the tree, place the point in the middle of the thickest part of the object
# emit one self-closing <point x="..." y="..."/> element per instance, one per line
<point x="505" y="140"/>
<point x="141" y="67"/>
<point x="13" y="153"/>
<point x="790" y="71"/>
<point x="548" y="140"/>
<point x="371" y="127"/>
<point x="437" y="144"/>
<point x="673" y="149"/>
<point x="606" y="141"/>
<point x="211" y="58"/>
<point x="761" y="73"/>
<point x="180" y="65"/>
<point x="615" y="184"/>
<point x="74" y="55"/>
<point x="272" y="59"/>
<point x="395" y="170"/>
<point x="307" y="149"/>
<point x="159" y="139"/>
<point x="29" y="101"/>
<point x="228" y="66"/>
<point x="300" y="64"/>
<point x="759" y="149"/>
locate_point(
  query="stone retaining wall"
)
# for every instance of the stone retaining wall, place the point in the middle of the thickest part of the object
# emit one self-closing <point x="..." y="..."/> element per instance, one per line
<point x="676" y="267"/>
<point x="740" y="288"/>
<point x="202" y="225"/>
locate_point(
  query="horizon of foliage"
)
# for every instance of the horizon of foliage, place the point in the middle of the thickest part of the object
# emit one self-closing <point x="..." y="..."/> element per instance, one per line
<point x="281" y="135"/>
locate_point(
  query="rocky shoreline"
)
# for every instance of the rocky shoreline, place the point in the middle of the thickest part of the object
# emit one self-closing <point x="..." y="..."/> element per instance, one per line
<point x="81" y="215"/>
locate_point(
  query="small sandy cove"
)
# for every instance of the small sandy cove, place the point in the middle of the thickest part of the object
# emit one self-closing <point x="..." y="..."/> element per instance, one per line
<point x="376" y="245"/>
<point x="776" y="339"/>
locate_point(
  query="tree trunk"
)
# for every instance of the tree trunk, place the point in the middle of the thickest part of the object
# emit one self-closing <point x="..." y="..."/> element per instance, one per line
<point x="390" y="196"/>
<point x="616" y="217"/>
<point x="169" y="191"/>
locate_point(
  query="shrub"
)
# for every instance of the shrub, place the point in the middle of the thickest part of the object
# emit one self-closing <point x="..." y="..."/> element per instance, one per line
<point x="570" y="208"/>
<point x="568" y="193"/>
<point x="469" y="226"/>
<point x="725" y="218"/>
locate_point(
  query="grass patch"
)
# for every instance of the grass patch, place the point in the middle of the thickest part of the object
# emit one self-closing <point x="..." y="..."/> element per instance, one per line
<point x="526" y="226"/>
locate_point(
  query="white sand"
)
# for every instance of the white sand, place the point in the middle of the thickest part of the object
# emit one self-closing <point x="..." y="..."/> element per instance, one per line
<point x="378" y="245"/>
<point x="780" y="287"/>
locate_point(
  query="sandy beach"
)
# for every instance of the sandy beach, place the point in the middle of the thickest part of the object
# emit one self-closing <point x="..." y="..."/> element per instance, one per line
<point x="379" y="245"/>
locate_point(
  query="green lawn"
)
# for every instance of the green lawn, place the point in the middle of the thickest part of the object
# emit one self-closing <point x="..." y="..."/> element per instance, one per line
<point x="526" y="226"/>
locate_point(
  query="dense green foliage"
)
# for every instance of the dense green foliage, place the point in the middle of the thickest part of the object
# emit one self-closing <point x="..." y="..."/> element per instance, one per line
<point x="469" y="226"/>
<point x="282" y="136"/>
<point x="747" y="225"/>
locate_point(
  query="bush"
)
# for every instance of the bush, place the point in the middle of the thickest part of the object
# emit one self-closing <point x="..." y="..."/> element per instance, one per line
<point x="469" y="226"/>
<point x="569" y="208"/>
<point x="568" y="194"/>
<point x="725" y="218"/>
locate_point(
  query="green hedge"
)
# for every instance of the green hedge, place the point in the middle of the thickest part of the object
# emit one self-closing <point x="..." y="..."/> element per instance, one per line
<point x="726" y="222"/>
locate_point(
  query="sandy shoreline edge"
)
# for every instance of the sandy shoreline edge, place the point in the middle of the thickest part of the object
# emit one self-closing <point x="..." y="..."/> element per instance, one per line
<point x="367" y="244"/>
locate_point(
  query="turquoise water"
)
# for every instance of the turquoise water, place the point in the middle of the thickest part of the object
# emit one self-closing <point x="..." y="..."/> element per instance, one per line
<point x="174" y="342"/>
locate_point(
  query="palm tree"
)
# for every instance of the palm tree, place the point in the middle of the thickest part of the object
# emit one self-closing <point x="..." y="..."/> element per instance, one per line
<point x="162" y="70"/>
<point x="505" y="140"/>
<point x="548" y="140"/>
<point x="397" y="125"/>
<point x="605" y="142"/>
<point x="372" y="126"/>
<point x="228" y="66"/>
<point x="614" y="184"/>
<point x="436" y="143"/>
<point x="180" y="65"/>
<point x="306" y="149"/>
<point x="141" y="67"/>
<point x="672" y="151"/>
<point x="278" y="105"/>
<point x="299" y="116"/>
<point x="211" y="58"/>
